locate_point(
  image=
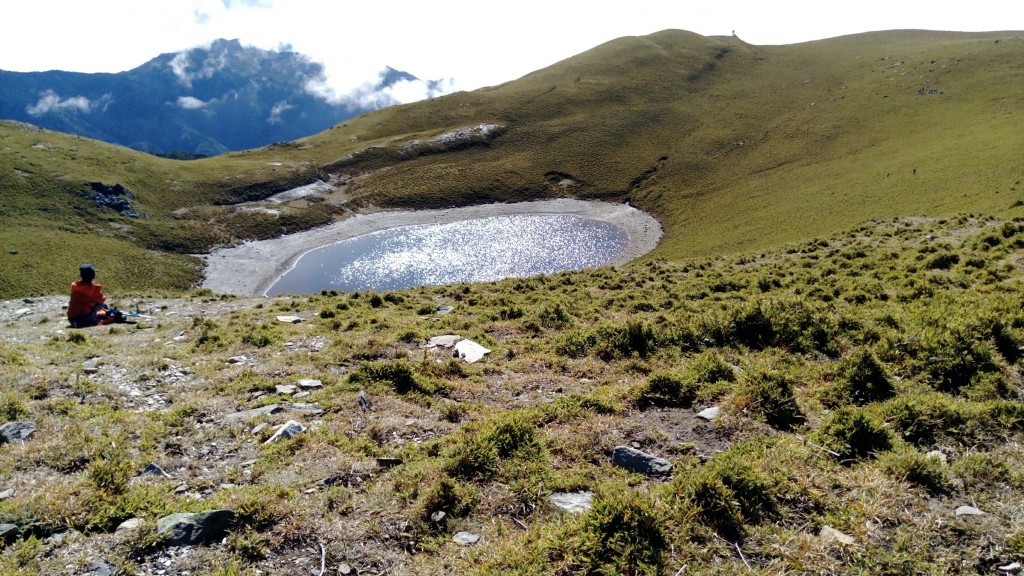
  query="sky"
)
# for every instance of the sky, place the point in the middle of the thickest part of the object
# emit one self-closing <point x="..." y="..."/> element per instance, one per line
<point x="467" y="43"/>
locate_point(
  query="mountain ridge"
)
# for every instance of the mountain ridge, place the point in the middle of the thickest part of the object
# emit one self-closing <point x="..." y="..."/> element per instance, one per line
<point x="207" y="100"/>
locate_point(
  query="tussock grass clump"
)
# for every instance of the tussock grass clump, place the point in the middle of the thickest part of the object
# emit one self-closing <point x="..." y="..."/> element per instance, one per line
<point x="863" y="379"/>
<point x="482" y="447"/>
<point x="666" y="391"/>
<point x="853" y="435"/>
<point x="768" y="395"/>
<point x="621" y="534"/>
<point x="397" y="375"/>
<point x="914" y="467"/>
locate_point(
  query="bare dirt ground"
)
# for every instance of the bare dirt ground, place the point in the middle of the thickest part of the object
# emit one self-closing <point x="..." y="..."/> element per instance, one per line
<point x="251" y="268"/>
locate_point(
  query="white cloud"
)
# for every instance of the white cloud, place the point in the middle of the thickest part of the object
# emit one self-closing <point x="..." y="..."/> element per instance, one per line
<point x="277" y="110"/>
<point x="190" y="103"/>
<point x="50" y="101"/>
<point x="182" y="66"/>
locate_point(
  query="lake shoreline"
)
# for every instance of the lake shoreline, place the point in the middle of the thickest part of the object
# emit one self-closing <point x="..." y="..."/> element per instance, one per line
<point x="251" y="268"/>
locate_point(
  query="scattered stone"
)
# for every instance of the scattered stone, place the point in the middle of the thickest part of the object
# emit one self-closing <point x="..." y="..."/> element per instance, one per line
<point x="632" y="459"/>
<point x="302" y="394"/>
<point x="310" y="384"/>
<point x="388" y="462"/>
<point x="936" y="454"/>
<point x="286" y="389"/>
<point x="238" y="359"/>
<point x="258" y="428"/>
<point x="470" y="351"/>
<point x="438" y="516"/>
<point x="250" y="414"/>
<point x="1012" y="568"/>
<point x="287" y="430"/>
<point x="7" y="494"/>
<point x="103" y="568"/>
<point x="130" y="524"/>
<point x="443" y="309"/>
<point x="344" y="568"/>
<point x="9" y="533"/>
<point x="22" y="311"/>
<point x="307" y="407"/>
<point x="16" y="431"/>
<point x="465" y="538"/>
<point x="363" y="402"/>
<point x="832" y="535"/>
<point x="710" y="414"/>
<point x="443" y="341"/>
<point x="968" y="511"/>
<point x="289" y="319"/>
<point x="573" y="502"/>
<point x="155" y="470"/>
<point x="186" y="529"/>
<point x="91" y="366"/>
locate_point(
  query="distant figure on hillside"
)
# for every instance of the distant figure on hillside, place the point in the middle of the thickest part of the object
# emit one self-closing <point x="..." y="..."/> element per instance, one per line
<point x="88" y="303"/>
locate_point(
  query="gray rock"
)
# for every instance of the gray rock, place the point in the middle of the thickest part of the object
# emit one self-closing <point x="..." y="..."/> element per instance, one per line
<point x="936" y="454"/>
<point x="7" y="494"/>
<point x="289" y="319"/>
<point x="968" y="511"/>
<point x="344" y="568"/>
<point x="1011" y="568"/>
<point x="310" y="384"/>
<point x="286" y="389"/>
<point x="130" y="524"/>
<point x="444" y="341"/>
<point x="238" y="360"/>
<point x="443" y="309"/>
<point x="103" y="568"/>
<point x="9" y="533"/>
<point x="287" y="430"/>
<point x="364" y="403"/>
<point x="832" y="535"/>
<point x="16" y="431"/>
<point x="465" y="538"/>
<point x="155" y="470"/>
<point x="91" y="366"/>
<point x="258" y="428"/>
<point x="632" y="459"/>
<point x="245" y="415"/>
<point x="388" y="462"/>
<point x="573" y="502"/>
<point x="710" y="414"/>
<point x="186" y="529"/>
<point x="307" y="407"/>
<point x="302" y="394"/>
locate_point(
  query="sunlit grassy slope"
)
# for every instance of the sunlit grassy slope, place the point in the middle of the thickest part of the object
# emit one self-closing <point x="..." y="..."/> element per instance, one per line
<point x="734" y="147"/>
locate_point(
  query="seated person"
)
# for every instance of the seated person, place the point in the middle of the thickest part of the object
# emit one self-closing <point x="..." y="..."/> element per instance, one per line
<point x="88" y="303"/>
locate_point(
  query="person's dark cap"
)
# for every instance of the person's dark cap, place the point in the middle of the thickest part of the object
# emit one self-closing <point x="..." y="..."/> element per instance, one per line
<point x="87" y="272"/>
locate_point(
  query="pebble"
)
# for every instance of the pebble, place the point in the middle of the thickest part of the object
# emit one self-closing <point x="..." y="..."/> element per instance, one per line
<point x="710" y="414"/>
<point x="16" y="431"/>
<point x="832" y="535"/>
<point x="130" y="524"/>
<point x="91" y="366"/>
<point x="287" y="430"/>
<point x="309" y="383"/>
<point x="968" y="511"/>
<point x="1011" y="568"/>
<point x="573" y="502"/>
<point x="286" y="389"/>
<point x="250" y="414"/>
<point x="936" y="454"/>
<point x="465" y="538"/>
<point x="289" y="319"/>
<point x="7" y="494"/>
<point x="238" y="359"/>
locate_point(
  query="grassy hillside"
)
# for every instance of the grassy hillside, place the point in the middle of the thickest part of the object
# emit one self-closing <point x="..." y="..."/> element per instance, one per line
<point x="869" y="385"/>
<point x="732" y="146"/>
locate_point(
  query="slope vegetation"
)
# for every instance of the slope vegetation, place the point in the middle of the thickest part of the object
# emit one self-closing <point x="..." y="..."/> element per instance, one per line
<point x="733" y="147"/>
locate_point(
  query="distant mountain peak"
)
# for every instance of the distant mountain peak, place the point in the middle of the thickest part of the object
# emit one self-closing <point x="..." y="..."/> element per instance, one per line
<point x="207" y="99"/>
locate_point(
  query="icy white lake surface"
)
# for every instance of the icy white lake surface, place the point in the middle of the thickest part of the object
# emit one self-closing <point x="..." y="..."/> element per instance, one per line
<point x="478" y="250"/>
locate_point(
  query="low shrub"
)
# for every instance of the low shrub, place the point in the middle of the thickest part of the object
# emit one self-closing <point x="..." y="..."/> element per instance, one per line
<point x="912" y="466"/>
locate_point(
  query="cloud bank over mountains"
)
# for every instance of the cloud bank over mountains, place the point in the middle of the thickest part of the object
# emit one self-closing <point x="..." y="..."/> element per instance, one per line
<point x="209" y="99"/>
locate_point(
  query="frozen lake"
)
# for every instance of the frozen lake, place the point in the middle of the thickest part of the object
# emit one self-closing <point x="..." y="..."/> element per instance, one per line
<point x="478" y="250"/>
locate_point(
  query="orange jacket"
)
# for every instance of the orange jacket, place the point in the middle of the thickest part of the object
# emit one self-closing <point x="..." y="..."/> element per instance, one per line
<point x="84" y="297"/>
